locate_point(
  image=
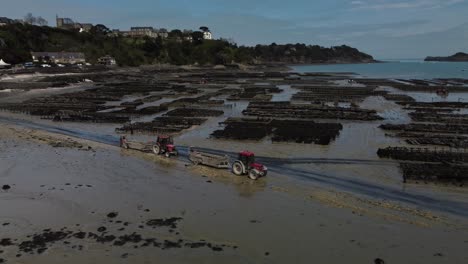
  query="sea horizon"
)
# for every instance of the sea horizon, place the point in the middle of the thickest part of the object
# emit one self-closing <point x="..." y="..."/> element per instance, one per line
<point x="396" y="69"/>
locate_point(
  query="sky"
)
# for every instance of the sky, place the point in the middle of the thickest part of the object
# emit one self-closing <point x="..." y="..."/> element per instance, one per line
<point x="386" y="29"/>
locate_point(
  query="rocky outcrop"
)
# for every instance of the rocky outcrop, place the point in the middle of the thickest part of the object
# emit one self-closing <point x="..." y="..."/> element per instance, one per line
<point x="460" y="56"/>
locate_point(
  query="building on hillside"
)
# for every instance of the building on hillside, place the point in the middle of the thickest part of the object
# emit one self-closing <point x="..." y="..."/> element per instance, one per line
<point x="69" y="24"/>
<point x="5" y="21"/>
<point x="207" y="35"/>
<point x="85" y="27"/>
<point x="65" y="23"/>
<point x="59" y="57"/>
<point x="107" y="61"/>
<point x="139" y="32"/>
<point x="162" y="33"/>
<point x="187" y="35"/>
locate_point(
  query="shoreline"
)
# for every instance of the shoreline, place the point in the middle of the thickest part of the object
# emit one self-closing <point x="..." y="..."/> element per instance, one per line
<point x="270" y="66"/>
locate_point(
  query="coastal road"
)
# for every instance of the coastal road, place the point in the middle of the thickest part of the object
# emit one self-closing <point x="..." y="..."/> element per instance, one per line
<point x="283" y="166"/>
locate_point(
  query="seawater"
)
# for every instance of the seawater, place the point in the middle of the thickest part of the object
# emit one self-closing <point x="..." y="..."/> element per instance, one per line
<point x="401" y="69"/>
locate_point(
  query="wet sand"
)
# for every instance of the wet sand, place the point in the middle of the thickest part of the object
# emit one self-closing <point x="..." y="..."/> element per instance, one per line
<point x="338" y="203"/>
<point x="274" y="220"/>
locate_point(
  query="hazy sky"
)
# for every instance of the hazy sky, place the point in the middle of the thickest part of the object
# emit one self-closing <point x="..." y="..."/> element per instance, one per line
<point x="382" y="28"/>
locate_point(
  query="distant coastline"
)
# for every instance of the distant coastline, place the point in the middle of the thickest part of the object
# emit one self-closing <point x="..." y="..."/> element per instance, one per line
<point x="458" y="57"/>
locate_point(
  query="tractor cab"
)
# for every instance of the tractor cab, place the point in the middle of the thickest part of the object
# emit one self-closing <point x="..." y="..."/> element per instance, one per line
<point x="247" y="158"/>
<point x="165" y="140"/>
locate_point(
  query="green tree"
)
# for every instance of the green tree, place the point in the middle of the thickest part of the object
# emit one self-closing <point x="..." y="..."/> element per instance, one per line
<point x="100" y="30"/>
<point x="176" y="34"/>
<point x="18" y="40"/>
<point x="197" y="37"/>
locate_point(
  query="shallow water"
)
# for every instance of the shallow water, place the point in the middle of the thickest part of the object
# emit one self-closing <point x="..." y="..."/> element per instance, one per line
<point x="395" y="69"/>
<point x="433" y="97"/>
<point x="20" y="96"/>
<point x="286" y="95"/>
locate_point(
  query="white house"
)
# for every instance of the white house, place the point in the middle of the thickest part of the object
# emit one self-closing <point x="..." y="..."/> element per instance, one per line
<point x="207" y="35"/>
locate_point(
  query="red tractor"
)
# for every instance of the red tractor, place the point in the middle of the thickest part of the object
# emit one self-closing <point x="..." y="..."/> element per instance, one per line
<point x="246" y="165"/>
<point x="165" y="145"/>
<point x="442" y="92"/>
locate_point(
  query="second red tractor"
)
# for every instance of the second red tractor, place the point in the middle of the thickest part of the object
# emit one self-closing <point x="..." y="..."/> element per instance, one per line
<point x="246" y="165"/>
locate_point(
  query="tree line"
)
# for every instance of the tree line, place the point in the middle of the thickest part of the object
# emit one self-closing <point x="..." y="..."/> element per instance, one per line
<point x="18" y="40"/>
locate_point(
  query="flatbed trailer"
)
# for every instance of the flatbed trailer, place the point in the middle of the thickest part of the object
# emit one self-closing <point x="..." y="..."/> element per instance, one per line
<point x="163" y="145"/>
<point x="136" y="145"/>
<point x="208" y="159"/>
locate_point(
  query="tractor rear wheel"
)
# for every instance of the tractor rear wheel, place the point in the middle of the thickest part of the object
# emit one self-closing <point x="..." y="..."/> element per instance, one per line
<point x="238" y="168"/>
<point x="156" y="149"/>
<point x="253" y="175"/>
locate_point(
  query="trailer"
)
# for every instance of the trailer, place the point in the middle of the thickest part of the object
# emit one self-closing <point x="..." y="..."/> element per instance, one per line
<point x="162" y="145"/>
<point x="136" y="145"/>
<point x="208" y="159"/>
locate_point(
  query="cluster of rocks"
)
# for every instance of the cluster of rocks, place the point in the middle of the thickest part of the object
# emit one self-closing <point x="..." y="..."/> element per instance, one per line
<point x="73" y="237"/>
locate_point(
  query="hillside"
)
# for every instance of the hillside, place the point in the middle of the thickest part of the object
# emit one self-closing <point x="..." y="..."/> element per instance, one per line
<point x="17" y="41"/>
<point x="460" y="56"/>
